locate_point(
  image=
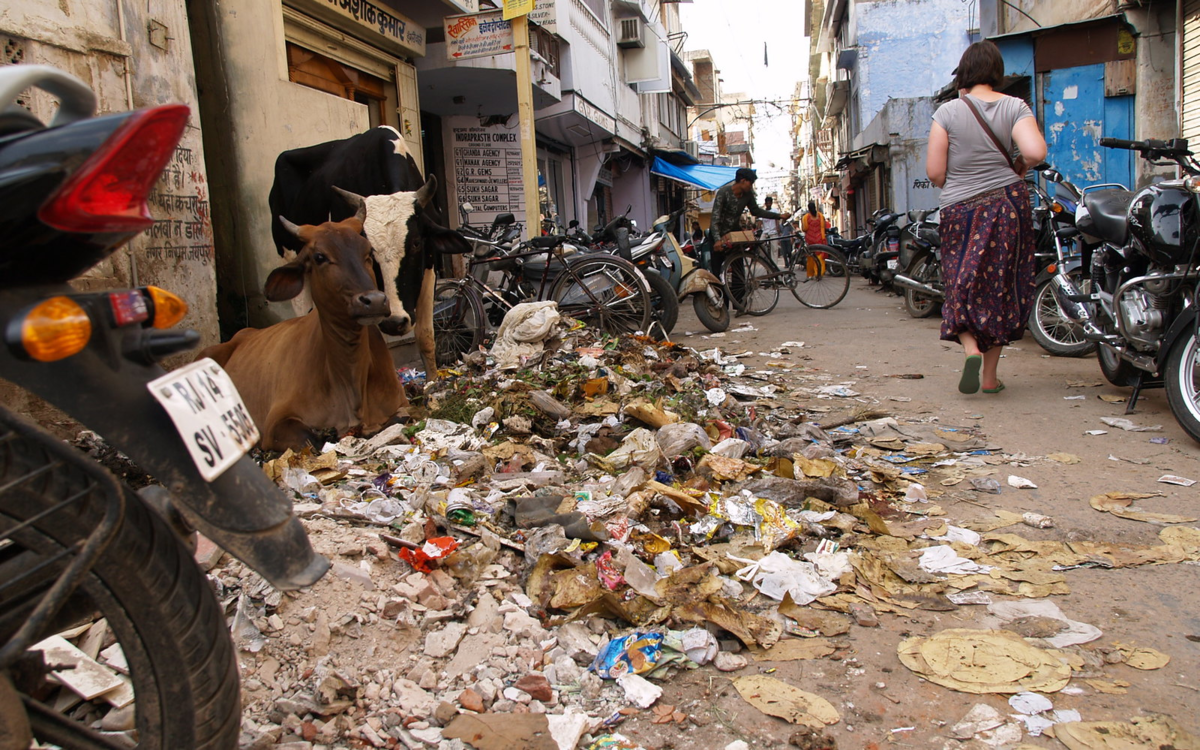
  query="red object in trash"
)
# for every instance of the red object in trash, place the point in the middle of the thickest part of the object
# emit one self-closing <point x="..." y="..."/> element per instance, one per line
<point x="433" y="549"/>
<point x="610" y="576"/>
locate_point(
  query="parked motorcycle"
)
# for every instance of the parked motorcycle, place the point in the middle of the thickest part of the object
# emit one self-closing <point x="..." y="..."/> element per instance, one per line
<point x="851" y="248"/>
<point x="75" y="543"/>
<point x="881" y="260"/>
<point x="922" y="282"/>
<point x="1055" y="322"/>
<point x="1145" y="281"/>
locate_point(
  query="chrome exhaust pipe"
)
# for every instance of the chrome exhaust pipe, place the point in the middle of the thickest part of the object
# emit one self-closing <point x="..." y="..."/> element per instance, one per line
<point x="905" y="282"/>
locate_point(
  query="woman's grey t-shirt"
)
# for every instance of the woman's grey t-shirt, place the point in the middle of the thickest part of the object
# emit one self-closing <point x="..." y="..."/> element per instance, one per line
<point x="975" y="165"/>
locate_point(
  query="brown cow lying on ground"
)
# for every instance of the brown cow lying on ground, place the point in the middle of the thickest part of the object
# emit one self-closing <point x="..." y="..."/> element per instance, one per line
<point x="329" y="369"/>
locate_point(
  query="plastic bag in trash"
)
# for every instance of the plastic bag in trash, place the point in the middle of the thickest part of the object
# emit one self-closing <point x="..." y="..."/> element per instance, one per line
<point x="522" y="332"/>
<point x="680" y="437"/>
<point x="639" y="447"/>
<point x="636" y="653"/>
<point x="777" y="574"/>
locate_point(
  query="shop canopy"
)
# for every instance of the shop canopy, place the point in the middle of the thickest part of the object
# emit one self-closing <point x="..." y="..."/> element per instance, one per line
<point x="703" y="176"/>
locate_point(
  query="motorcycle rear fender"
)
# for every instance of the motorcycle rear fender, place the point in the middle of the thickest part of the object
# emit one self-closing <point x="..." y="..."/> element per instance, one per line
<point x="1044" y="274"/>
<point x="696" y="281"/>
<point x="242" y="510"/>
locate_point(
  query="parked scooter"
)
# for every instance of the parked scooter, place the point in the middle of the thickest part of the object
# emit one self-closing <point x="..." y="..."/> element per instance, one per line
<point x="660" y="255"/>
<point x="76" y="543"/>
<point x="1145" y="281"/>
<point x="881" y="261"/>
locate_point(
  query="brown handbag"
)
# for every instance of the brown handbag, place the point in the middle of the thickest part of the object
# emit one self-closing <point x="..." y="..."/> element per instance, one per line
<point x="992" y="134"/>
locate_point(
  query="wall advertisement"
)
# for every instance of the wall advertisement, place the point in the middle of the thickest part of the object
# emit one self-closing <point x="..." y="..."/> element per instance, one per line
<point x="485" y="168"/>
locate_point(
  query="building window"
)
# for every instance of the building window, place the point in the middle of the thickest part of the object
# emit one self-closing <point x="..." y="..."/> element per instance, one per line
<point x="546" y="45"/>
<point x="317" y="71"/>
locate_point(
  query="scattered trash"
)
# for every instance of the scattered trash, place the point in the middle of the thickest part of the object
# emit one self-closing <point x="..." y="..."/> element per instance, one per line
<point x="1037" y="520"/>
<point x="1120" y="504"/>
<point x="1129" y="426"/>
<point x="1095" y="432"/>
<point x="1172" y="479"/>
<point x="984" y="661"/>
<point x="1151" y="731"/>
<point x="638" y="690"/>
<point x="1020" y="483"/>
<point x="1043" y="619"/>
<point x="636" y="653"/>
<point x="986" y="484"/>
<point x="1141" y="657"/>
<point x="1030" y="703"/>
<point x="1160" y="440"/>
<point x="777" y="698"/>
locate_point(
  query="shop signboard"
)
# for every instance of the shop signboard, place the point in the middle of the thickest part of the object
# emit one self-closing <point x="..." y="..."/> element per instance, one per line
<point x="486" y="168"/>
<point x="477" y="35"/>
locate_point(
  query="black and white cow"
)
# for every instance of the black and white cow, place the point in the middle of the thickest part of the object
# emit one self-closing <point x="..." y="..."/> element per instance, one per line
<point x="372" y="172"/>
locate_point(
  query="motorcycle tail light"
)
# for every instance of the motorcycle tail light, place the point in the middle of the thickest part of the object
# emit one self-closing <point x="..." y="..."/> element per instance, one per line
<point x="166" y="308"/>
<point x="107" y="194"/>
<point x="55" y="329"/>
<point x="1192" y="184"/>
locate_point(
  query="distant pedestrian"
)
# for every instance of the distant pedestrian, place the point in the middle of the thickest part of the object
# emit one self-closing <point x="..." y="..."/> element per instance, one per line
<point x="697" y="234"/>
<point x="786" y="242"/>
<point x="815" y="225"/>
<point x="986" y="218"/>
<point x="770" y="228"/>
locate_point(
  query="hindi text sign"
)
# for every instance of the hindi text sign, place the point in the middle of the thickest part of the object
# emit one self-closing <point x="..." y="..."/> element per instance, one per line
<point x="478" y="35"/>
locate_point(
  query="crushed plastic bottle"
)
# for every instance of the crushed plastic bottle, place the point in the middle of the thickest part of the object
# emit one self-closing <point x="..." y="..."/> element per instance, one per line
<point x="1037" y="520"/>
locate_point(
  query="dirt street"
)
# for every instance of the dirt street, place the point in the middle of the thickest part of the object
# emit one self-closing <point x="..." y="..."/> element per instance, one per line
<point x="869" y="337"/>
<point x="377" y="655"/>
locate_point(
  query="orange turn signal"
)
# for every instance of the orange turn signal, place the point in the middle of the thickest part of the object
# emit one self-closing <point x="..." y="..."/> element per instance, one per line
<point x="1056" y="207"/>
<point x="1052" y="268"/>
<point x="168" y="308"/>
<point x="55" y="329"/>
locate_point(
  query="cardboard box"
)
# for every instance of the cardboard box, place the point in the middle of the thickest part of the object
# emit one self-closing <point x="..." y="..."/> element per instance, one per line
<point x="742" y="236"/>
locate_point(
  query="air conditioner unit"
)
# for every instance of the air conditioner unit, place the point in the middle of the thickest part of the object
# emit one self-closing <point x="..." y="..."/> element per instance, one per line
<point x="692" y="148"/>
<point x="629" y="33"/>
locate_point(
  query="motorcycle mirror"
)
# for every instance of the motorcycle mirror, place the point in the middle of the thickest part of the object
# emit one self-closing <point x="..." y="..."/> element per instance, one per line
<point x="466" y="208"/>
<point x="1052" y="175"/>
<point x="573" y="223"/>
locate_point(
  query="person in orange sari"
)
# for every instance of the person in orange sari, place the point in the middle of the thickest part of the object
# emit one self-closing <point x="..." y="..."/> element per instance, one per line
<point x="814" y="224"/>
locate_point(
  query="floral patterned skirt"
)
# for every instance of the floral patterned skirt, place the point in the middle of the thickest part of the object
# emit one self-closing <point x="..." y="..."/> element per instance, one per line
<point x="988" y="266"/>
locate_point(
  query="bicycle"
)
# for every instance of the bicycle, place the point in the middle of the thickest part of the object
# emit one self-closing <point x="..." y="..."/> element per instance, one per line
<point x="600" y="290"/>
<point x="817" y="276"/>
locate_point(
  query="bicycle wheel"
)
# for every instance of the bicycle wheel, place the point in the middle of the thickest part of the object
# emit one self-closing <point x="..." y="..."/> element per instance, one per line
<point x="820" y="277"/>
<point x="605" y="292"/>
<point x="750" y="280"/>
<point x="458" y="321"/>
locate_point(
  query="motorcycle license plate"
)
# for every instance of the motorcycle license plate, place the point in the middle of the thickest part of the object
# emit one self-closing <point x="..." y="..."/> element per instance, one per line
<point x="894" y="263"/>
<point x="209" y="415"/>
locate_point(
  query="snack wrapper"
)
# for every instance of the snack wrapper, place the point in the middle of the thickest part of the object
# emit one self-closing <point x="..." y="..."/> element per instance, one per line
<point x="636" y="653"/>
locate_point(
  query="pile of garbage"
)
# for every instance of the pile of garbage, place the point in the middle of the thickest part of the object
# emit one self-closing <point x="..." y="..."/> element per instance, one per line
<point x="575" y="517"/>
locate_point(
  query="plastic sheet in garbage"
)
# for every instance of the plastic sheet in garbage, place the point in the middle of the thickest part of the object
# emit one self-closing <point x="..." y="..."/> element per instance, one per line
<point x="636" y="653"/>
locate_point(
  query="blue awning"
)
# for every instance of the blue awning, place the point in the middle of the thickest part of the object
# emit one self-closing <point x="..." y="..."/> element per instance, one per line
<point x="703" y="176"/>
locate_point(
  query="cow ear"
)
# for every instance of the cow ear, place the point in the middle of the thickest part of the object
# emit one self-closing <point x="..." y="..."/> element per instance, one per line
<point x="446" y="241"/>
<point x="285" y="282"/>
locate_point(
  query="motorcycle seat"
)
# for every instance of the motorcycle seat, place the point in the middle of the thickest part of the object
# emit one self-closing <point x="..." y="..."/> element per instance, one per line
<point x="550" y="240"/>
<point x="1106" y="209"/>
<point x="536" y="269"/>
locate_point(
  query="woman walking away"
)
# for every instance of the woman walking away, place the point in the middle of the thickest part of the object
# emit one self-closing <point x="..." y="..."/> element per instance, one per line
<point x="986" y="217"/>
<point x="814" y="225"/>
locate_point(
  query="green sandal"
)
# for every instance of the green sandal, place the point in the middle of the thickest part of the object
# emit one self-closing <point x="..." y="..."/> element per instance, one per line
<point x="999" y="387"/>
<point x="969" y="383"/>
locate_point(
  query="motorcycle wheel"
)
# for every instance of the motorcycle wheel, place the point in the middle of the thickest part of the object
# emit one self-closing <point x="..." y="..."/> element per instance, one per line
<point x="664" y="303"/>
<point x="459" y="321"/>
<point x="1116" y="370"/>
<point x="920" y="305"/>
<point x="156" y="600"/>
<point x="715" y="317"/>
<point x="1052" y="329"/>
<point x="1182" y="375"/>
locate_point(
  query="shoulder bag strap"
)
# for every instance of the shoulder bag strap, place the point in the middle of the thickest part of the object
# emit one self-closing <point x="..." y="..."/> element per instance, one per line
<point x="991" y="133"/>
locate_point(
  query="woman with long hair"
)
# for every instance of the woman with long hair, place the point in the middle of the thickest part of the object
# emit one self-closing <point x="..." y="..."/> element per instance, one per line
<point x="986" y="216"/>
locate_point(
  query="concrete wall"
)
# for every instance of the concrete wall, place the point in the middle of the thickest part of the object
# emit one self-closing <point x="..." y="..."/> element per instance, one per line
<point x="256" y="113"/>
<point x="1052" y="13"/>
<point x="907" y="48"/>
<point x="903" y="124"/>
<point x="87" y="38"/>
<point x="1156" y="111"/>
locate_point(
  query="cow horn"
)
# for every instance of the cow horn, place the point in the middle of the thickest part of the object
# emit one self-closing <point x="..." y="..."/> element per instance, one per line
<point x="425" y="194"/>
<point x="293" y="229"/>
<point x="354" y="199"/>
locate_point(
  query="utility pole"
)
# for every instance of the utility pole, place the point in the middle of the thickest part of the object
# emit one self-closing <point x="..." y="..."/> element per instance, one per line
<point x="518" y="12"/>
